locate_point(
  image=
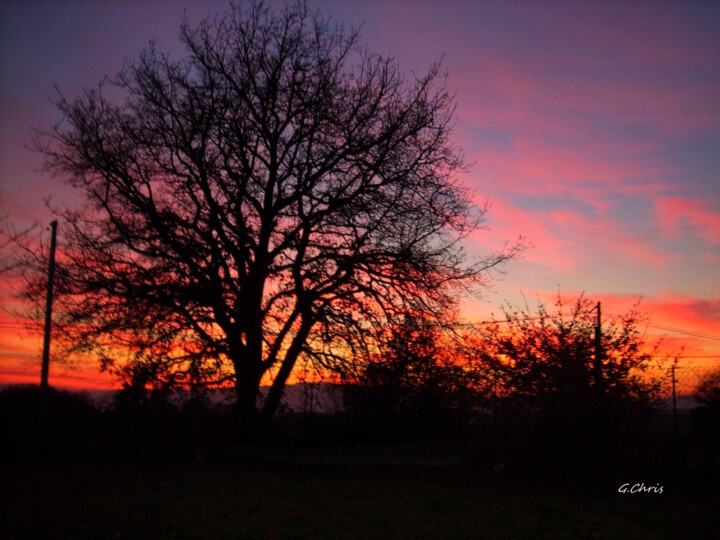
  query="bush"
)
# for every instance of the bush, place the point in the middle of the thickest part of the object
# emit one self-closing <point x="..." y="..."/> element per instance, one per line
<point x="72" y="419"/>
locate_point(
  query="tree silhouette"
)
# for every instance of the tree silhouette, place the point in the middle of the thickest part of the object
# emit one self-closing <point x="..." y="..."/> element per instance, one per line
<point x="270" y="195"/>
<point x="419" y="383"/>
<point x="706" y="417"/>
<point x="707" y="390"/>
<point x="548" y="370"/>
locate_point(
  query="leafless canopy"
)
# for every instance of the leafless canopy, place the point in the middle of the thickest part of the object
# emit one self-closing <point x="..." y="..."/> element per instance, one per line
<point x="266" y="197"/>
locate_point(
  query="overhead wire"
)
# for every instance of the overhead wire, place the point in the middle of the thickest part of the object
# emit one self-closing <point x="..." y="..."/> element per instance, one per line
<point x="685" y="332"/>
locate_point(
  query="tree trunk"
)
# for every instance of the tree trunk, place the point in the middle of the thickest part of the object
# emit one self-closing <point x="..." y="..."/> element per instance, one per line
<point x="276" y="390"/>
<point x="246" y="414"/>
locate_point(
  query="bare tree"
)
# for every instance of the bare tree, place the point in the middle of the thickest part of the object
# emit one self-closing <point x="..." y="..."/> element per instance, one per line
<point x="269" y="195"/>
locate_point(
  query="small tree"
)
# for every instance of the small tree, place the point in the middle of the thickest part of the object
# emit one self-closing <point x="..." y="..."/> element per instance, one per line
<point x="550" y="370"/>
<point x="270" y="195"/>
<point x="707" y="391"/>
<point x="418" y="383"/>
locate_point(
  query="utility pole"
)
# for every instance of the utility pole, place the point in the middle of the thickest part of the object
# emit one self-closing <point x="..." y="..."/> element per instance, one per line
<point x="597" y="366"/>
<point x="46" y="338"/>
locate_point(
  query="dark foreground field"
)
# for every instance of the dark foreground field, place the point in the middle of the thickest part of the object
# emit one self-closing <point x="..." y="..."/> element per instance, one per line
<point x="241" y="497"/>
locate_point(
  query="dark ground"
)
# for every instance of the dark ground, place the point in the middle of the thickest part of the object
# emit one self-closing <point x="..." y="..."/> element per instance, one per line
<point x="160" y="473"/>
<point x="398" y="491"/>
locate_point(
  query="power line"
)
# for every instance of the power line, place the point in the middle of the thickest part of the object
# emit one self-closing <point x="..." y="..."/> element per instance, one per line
<point x="656" y="326"/>
<point x="693" y="356"/>
<point x="651" y="325"/>
<point x="685" y="332"/>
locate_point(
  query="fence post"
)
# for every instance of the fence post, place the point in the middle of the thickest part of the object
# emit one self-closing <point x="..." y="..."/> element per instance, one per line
<point x="674" y="398"/>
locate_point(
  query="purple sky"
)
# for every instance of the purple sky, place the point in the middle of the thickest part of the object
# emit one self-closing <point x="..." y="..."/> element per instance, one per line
<point x="594" y="129"/>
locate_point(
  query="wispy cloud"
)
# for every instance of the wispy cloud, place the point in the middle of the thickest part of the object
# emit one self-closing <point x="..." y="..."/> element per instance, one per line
<point x="677" y="217"/>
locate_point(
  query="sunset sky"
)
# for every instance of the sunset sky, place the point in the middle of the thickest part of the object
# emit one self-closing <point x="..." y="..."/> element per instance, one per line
<point x="593" y="129"/>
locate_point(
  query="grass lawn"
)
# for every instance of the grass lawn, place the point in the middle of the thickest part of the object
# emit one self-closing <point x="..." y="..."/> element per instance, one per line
<point x="231" y="498"/>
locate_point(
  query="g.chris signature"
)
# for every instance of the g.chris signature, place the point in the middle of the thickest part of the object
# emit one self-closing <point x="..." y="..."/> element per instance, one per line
<point x="640" y="488"/>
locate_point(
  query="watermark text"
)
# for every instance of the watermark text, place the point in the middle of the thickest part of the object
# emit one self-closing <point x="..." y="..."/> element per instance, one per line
<point x="640" y="488"/>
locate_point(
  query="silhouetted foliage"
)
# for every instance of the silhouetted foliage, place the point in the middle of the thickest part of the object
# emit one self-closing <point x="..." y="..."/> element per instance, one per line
<point x="707" y="391"/>
<point x="417" y="385"/>
<point x="272" y="194"/>
<point x="706" y="417"/>
<point x="548" y="373"/>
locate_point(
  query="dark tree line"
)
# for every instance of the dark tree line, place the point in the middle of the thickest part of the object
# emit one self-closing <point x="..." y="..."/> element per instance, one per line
<point x="518" y="384"/>
<point x="553" y="372"/>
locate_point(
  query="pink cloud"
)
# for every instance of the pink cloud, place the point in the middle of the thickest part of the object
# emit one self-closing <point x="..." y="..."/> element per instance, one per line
<point x="596" y="171"/>
<point x="568" y="240"/>
<point x="507" y="222"/>
<point x="675" y="215"/>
